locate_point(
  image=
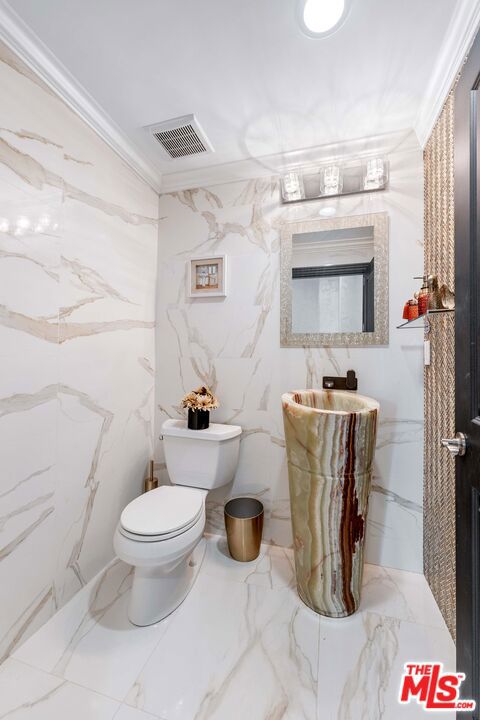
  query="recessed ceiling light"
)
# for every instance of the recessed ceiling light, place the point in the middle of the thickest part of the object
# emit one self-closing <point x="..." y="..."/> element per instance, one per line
<point x="322" y="17"/>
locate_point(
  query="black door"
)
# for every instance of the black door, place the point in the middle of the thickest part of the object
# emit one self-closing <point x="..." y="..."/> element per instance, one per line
<point x="467" y="373"/>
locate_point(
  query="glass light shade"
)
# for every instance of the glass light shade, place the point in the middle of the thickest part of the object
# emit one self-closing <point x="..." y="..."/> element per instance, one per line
<point x="375" y="174"/>
<point x="292" y="186"/>
<point x="331" y="180"/>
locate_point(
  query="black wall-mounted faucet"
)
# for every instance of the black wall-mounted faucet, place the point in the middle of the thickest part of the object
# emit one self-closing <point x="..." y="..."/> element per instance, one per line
<point x="331" y="382"/>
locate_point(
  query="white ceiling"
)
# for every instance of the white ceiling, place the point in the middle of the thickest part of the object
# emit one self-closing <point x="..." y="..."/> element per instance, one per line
<point x="256" y="84"/>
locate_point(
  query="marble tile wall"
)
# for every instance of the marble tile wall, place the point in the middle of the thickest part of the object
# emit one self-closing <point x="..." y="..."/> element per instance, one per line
<point x="232" y="344"/>
<point x="78" y="244"/>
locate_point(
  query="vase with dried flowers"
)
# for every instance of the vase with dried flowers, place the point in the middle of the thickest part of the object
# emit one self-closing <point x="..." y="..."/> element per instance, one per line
<point x="199" y="403"/>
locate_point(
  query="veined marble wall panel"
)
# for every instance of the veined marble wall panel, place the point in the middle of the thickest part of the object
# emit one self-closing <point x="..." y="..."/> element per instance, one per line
<point x="233" y="345"/>
<point x="77" y="289"/>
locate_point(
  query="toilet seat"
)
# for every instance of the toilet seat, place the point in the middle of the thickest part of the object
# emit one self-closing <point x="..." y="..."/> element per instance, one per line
<point x="161" y="514"/>
<point x="163" y="536"/>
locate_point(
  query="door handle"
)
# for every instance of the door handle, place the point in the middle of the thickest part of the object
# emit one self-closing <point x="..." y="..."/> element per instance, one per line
<point x="456" y="445"/>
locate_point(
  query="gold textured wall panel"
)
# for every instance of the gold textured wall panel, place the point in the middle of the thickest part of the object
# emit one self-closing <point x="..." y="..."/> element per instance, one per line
<point x="439" y="466"/>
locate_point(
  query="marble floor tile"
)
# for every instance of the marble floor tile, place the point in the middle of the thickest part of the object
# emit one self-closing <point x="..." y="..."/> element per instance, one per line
<point x="30" y="694"/>
<point x="416" y="593"/>
<point x="52" y="646"/>
<point x="91" y="642"/>
<point x="242" y="645"/>
<point x="361" y="661"/>
<point x="233" y="651"/>
<point x="274" y="567"/>
<point x="399" y="594"/>
<point x="380" y="594"/>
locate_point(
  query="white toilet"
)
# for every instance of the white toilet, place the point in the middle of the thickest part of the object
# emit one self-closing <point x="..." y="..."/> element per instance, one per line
<point x="159" y="530"/>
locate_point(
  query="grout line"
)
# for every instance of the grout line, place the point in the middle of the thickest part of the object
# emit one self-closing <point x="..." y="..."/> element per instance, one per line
<point x="143" y="712"/>
<point x="64" y="681"/>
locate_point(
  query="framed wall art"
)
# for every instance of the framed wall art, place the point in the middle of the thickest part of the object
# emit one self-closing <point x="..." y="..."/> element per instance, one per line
<point x="207" y="276"/>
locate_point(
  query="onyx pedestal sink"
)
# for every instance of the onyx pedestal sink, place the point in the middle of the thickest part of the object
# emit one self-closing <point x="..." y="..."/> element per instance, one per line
<point x="330" y="440"/>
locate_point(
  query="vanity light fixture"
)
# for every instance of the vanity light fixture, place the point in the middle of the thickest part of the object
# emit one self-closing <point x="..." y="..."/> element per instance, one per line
<point x="337" y="177"/>
<point x="319" y="18"/>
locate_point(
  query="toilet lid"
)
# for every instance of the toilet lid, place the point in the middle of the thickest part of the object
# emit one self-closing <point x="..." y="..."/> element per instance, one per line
<point x="163" y="510"/>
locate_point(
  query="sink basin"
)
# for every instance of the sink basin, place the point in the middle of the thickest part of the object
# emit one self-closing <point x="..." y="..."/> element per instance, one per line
<point x="330" y="440"/>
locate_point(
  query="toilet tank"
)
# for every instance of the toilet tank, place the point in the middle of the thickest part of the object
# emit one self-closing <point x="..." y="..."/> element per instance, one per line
<point x="201" y="458"/>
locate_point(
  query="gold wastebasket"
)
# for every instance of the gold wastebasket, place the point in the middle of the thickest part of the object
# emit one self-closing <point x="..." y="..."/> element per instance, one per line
<point x="244" y="526"/>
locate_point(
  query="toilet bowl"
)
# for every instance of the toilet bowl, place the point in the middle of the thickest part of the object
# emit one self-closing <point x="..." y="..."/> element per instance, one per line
<point x="159" y="530"/>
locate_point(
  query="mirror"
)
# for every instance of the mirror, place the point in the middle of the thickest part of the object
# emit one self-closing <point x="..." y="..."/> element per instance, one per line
<point x="335" y="282"/>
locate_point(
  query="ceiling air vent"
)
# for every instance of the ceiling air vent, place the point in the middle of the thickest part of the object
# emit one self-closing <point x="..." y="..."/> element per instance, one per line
<point x="181" y="137"/>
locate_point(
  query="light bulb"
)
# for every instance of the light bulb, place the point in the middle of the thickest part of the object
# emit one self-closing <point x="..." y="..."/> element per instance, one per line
<point x="320" y="16"/>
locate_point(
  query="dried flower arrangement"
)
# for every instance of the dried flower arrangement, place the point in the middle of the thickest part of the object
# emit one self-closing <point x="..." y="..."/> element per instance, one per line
<point x="200" y="399"/>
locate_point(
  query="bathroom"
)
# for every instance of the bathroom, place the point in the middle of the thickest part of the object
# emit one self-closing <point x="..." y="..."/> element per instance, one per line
<point x="271" y="203"/>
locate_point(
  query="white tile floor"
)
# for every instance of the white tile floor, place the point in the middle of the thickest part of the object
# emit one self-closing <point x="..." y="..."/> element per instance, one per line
<point x="242" y="646"/>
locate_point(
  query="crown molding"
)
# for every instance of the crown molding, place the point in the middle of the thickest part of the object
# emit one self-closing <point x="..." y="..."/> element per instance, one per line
<point x="270" y="165"/>
<point x="457" y="42"/>
<point x="35" y="54"/>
